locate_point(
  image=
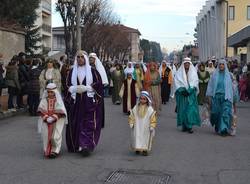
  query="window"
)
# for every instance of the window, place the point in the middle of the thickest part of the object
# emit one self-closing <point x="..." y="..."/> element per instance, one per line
<point x="248" y="12"/>
<point x="231" y="13"/>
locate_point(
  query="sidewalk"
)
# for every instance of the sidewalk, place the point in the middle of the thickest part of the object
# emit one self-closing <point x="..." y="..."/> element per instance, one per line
<point x="5" y="113"/>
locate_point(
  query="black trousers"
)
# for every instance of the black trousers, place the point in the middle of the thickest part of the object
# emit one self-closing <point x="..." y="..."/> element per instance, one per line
<point x="33" y="102"/>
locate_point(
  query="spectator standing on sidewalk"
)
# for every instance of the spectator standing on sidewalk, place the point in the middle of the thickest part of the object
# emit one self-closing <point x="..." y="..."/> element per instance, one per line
<point x="2" y="80"/>
<point x="12" y="81"/>
<point x="23" y="76"/>
<point x="34" y="87"/>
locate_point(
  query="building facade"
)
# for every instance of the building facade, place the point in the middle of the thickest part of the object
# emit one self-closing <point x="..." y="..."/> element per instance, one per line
<point x="133" y="34"/>
<point x="216" y="22"/>
<point x="44" y="22"/>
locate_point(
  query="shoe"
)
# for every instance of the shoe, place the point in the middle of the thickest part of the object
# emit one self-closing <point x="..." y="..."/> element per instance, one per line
<point x="85" y="152"/>
<point x="12" y="110"/>
<point x="53" y="155"/>
<point x="184" y="129"/>
<point x="145" y="153"/>
<point x="190" y="131"/>
<point x="137" y="152"/>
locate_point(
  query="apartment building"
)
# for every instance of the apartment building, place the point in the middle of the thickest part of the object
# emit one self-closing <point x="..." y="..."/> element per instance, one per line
<point x="44" y="22"/>
<point x="217" y="21"/>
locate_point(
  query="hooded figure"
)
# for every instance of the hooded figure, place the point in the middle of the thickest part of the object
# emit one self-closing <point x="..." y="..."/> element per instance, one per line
<point x="129" y="68"/>
<point x="210" y="68"/>
<point x="152" y="83"/>
<point x="85" y="93"/>
<point x="142" y="121"/>
<point x="186" y="90"/>
<point x="220" y="91"/>
<point x="97" y="64"/>
<point x="53" y="117"/>
<point x="166" y="81"/>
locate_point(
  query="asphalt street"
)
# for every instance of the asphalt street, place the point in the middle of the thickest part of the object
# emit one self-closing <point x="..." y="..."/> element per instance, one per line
<point x="200" y="158"/>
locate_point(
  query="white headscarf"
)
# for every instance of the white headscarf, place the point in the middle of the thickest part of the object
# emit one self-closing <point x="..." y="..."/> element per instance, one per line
<point x="146" y="94"/>
<point x="129" y="70"/>
<point x="186" y="80"/>
<point x="86" y="70"/>
<point x="100" y="68"/>
<point x="168" y="65"/>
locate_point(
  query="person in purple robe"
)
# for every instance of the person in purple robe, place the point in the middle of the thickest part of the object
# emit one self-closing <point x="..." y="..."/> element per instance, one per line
<point x="85" y="93"/>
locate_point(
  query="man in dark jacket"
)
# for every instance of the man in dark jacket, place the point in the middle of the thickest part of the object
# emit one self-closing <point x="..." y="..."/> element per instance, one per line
<point x="34" y="87"/>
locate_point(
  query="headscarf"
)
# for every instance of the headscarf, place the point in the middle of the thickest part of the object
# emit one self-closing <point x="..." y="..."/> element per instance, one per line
<point x="100" y="68"/>
<point x="146" y="94"/>
<point x="168" y="65"/>
<point x="87" y="72"/>
<point x="213" y="82"/>
<point x="186" y="80"/>
<point x="148" y="74"/>
<point x="129" y="69"/>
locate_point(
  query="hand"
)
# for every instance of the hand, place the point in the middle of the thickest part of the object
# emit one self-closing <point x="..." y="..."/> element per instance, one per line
<point x="89" y="88"/>
<point x="50" y="119"/>
<point x="81" y="89"/>
<point x="72" y="89"/>
<point x="152" y="131"/>
<point x="131" y="126"/>
<point x="185" y="93"/>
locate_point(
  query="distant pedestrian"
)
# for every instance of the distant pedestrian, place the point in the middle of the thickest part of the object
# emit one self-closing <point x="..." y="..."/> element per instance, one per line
<point x="138" y="75"/>
<point x="51" y="123"/>
<point x="129" y="92"/>
<point x="204" y="77"/>
<point x="142" y="121"/>
<point x="152" y="83"/>
<point x="166" y="81"/>
<point x="117" y="77"/>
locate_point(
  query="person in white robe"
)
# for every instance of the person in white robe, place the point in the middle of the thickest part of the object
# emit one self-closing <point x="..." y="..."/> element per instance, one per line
<point x="53" y="116"/>
<point x="142" y="121"/>
<point x="95" y="62"/>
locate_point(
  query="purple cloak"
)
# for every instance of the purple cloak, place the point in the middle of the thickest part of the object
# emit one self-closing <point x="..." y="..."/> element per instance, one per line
<point x="84" y="116"/>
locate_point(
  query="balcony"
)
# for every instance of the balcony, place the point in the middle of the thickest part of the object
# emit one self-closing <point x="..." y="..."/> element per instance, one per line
<point x="46" y="6"/>
<point x="46" y="28"/>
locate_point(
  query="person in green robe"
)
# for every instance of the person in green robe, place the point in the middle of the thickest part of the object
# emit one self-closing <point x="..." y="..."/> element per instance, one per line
<point x="117" y="77"/>
<point x="220" y="93"/>
<point x="186" y="90"/>
<point x="203" y="82"/>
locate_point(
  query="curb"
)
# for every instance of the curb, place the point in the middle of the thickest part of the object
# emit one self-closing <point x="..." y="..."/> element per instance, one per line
<point x="8" y="114"/>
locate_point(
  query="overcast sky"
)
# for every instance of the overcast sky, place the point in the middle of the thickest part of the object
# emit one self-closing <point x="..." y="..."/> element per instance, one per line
<point x="169" y="22"/>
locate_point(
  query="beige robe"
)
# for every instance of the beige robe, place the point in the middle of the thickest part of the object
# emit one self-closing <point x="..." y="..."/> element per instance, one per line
<point x="141" y="136"/>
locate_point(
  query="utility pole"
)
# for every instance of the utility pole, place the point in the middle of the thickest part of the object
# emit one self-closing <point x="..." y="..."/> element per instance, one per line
<point x="78" y="25"/>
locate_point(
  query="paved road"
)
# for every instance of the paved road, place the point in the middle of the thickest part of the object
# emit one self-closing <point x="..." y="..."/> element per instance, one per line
<point x="201" y="158"/>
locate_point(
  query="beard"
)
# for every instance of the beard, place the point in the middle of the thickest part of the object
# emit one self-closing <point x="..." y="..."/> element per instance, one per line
<point x="142" y="110"/>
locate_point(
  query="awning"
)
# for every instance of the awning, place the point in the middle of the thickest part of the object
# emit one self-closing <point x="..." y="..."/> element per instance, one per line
<point x="240" y="39"/>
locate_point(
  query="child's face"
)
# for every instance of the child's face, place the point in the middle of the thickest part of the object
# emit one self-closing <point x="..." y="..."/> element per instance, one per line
<point x="143" y="100"/>
<point x="51" y="94"/>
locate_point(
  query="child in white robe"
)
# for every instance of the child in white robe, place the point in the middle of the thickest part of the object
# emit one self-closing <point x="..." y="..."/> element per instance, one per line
<point x="142" y="121"/>
<point x="53" y="116"/>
